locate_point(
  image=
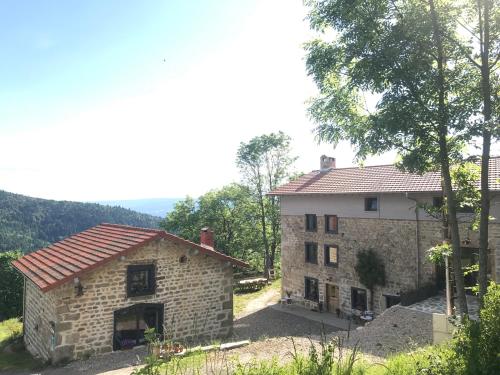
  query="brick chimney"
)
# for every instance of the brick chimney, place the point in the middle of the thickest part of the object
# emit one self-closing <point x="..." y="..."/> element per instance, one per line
<point x="326" y="163"/>
<point x="207" y="237"/>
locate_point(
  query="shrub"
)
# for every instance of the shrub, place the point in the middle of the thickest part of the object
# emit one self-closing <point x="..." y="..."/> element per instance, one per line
<point x="370" y="270"/>
<point x="477" y="343"/>
<point x="11" y="286"/>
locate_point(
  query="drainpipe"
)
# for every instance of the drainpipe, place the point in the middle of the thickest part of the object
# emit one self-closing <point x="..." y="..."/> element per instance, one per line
<point x="417" y="234"/>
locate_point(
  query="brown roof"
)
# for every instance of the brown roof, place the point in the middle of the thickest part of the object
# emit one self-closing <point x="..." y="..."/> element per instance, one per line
<point x="375" y="179"/>
<point x="94" y="247"/>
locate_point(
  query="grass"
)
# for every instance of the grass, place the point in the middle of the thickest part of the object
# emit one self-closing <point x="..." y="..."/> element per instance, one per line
<point x="17" y="357"/>
<point x="241" y="300"/>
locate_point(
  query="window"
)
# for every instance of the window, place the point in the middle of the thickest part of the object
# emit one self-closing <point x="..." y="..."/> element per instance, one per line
<point x="371" y="204"/>
<point x="311" y="222"/>
<point x="311" y="289"/>
<point x="331" y="255"/>
<point x="391" y="300"/>
<point x="311" y="250"/>
<point x="437" y="202"/>
<point x="358" y="299"/>
<point x="140" y="280"/>
<point x="331" y="224"/>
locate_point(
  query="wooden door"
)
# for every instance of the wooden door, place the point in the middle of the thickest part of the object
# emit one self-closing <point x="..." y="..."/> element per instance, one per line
<point x="332" y="297"/>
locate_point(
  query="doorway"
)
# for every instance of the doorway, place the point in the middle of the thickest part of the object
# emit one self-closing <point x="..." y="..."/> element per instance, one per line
<point x="332" y="298"/>
<point x="131" y="322"/>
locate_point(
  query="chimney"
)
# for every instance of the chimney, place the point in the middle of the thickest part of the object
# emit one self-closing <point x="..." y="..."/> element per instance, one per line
<point x="207" y="237"/>
<point x="326" y="163"/>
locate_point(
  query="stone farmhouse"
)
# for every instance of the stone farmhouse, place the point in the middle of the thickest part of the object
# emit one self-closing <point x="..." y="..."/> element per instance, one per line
<point x="329" y="215"/>
<point x="98" y="290"/>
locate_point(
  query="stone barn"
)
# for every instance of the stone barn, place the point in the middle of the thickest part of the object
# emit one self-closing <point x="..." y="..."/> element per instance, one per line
<point x="98" y="291"/>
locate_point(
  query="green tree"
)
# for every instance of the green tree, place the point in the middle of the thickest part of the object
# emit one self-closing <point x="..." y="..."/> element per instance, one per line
<point x="183" y="220"/>
<point x="230" y="212"/>
<point x="11" y="286"/>
<point x="397" y="52"/>
<point x="371" y="271"/>
<point x="480" y="45"/>
<point x="265" y="163"/>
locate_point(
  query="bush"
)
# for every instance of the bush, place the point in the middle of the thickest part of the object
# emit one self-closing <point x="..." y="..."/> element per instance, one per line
<point x="11" y="286"/>
<point x="477" y="343"/>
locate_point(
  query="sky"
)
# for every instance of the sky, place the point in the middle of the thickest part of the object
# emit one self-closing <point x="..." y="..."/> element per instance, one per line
<point x="107" y="100"/>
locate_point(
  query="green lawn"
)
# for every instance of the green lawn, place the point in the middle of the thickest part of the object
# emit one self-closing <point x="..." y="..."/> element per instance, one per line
<point x="241" y="300"/>
<point x="16" y="358"/>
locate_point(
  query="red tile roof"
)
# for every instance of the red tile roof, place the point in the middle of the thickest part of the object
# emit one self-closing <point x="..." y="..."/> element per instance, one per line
<point x="376" y="179"/>
<point x="94" y="247"/>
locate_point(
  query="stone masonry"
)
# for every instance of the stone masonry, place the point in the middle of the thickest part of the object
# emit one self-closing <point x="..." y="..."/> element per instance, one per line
<point x="395" y="240"/>
<point x="197" y="298"/>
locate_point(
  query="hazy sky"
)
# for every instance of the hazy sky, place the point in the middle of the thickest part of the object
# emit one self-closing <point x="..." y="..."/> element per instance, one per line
<point x="140" y="99"/>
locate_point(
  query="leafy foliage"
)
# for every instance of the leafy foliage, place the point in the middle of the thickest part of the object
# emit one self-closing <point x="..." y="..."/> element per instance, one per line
<point x="477" y="343"/>
<point x="436" y="254"/>
<point x="230" y="212"/>
<point x="371" y="270"/>
<point x="11" y="286"/>
<point x="265" y="163"/>
<point x="404" y="54"/>
<point x="31" y="223"/>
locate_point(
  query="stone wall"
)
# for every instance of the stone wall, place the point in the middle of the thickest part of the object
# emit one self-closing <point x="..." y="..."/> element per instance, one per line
<point x="197" y="298"/>
<point x="39" y="320"/>
<point x="394" y="240"/>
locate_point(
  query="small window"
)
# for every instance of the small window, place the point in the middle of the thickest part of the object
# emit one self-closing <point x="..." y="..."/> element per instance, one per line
<point x="371" y="204"/>
<point x="311" y="290"/>
<point x="311" y="222"/>
<point x="311" y="250"/>
<point x="331" y="255"/>
<point x="437" y="202"/>
<point x="358" y="299"/>
<point x="331" y="224"/>
<point x="140" y="280"/>
<point x="391" y="300"/>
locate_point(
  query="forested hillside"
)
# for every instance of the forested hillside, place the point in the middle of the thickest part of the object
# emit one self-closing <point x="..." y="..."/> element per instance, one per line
<point x="30" y="223"/>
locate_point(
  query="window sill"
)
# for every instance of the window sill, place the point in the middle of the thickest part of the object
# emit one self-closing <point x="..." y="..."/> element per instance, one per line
<point x="142" y="295"/>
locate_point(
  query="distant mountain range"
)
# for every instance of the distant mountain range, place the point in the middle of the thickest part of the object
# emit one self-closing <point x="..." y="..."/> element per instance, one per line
<point x="154" y="206"/>
<point x="28" y="223"/>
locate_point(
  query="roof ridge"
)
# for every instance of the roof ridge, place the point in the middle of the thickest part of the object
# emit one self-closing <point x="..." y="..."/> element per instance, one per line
<point x="382" y="165"/>
<point x="123" y="226"/>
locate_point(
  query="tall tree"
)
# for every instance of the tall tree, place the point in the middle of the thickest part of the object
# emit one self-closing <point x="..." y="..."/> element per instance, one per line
<point x="395" y="51"/>
<point x="265" y="163"/>
<point x="480" y="45"/>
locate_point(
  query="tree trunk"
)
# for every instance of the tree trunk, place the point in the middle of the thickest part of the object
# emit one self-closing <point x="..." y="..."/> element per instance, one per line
<point x="485" y="194"/>
<point x="445" y="164"/>
<point x="263" y="223"/>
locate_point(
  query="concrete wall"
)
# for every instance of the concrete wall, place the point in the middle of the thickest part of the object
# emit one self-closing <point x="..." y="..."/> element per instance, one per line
<point x="197" y="298"/>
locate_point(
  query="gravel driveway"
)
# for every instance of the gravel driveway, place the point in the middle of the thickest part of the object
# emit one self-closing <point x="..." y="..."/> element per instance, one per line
<point x="271" y="332"/>
<point x="262" y="324"/>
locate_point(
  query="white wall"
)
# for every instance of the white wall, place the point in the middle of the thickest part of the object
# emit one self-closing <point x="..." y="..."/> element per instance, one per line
<point x="391" y="205"/>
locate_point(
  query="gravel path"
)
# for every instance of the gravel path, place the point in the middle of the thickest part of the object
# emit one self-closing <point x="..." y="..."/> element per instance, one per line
<point x="397" y="329"/>
<point x="270" y="297"/>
